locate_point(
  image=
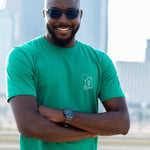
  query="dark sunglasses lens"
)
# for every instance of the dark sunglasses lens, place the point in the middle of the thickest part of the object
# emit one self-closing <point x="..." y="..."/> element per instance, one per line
<point x="71" y="14"/>
<point x="55" y="13"/>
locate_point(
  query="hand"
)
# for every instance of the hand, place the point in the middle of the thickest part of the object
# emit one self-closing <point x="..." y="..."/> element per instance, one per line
<point x="54" y="115"/>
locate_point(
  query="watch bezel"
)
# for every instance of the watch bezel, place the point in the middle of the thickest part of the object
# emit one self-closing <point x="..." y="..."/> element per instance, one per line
<point x="69" y="114"/>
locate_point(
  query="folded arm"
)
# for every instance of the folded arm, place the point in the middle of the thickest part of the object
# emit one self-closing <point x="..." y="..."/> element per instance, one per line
<point x="114" y="121"/>
<point x="31" y="124"/>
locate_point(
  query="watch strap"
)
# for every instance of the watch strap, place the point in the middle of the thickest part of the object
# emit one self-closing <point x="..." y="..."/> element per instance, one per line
<point x="68" y="120"/>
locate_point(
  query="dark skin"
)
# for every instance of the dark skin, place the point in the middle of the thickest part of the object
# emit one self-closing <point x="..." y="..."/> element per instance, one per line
<point x="43" y="123"/>
<point x="114" y="121"/>
<point x="31" y="124"/>
<point x="53" y="24"/>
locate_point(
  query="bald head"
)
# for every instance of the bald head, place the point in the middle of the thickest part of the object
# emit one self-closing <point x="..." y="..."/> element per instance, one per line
<point x="49" y="3"/>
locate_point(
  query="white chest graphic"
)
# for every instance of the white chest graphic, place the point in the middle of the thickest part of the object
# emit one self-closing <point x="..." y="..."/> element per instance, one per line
<point x="88" y="82"/>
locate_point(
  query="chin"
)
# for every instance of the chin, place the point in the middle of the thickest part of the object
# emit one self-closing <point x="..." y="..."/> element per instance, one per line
<point x="62" y="42"/>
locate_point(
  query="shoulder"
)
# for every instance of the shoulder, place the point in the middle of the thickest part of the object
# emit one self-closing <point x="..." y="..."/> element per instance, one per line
<point x="27" y="49"/>
<point x="24" y="54"/>
<point x="99" y="55"/>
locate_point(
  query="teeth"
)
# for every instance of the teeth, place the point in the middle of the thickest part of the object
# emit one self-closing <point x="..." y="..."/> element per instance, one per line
<point x="63" y="29"/>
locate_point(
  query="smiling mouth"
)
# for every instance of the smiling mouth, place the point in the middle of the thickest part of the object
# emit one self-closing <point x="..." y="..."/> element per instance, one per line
<point x="63" y="27"/>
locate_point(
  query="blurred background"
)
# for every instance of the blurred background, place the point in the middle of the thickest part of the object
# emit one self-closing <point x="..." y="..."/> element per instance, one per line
<point x="121" y="28"/>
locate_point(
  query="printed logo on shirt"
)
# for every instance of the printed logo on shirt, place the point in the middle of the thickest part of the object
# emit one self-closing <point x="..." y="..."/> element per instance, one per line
<point x="88" y="82"/>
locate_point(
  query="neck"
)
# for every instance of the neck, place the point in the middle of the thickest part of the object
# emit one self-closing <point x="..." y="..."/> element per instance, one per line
<point x="49" y="39"/>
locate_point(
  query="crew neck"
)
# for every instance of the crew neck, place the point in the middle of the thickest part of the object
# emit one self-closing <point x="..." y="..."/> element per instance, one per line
<point x="48" y="44"/>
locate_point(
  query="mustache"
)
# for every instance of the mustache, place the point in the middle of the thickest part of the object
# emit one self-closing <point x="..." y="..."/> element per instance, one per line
<point x="63" y="26"/>
<point x="61" y="42"/>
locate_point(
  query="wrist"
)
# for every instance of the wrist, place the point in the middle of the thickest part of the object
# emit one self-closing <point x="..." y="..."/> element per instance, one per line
<point x="69" y="114"/>
<point x="60" y="116"/>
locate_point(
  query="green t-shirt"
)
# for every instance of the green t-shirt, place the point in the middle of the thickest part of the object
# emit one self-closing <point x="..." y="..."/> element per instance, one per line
<point x="61" y="78"/>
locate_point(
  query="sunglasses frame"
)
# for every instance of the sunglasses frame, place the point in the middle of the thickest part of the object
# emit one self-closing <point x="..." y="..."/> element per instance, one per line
<point x="62" y="12"/>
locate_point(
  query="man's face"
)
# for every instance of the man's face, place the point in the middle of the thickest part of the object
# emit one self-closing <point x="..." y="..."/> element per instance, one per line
<point x="62" y="31"/>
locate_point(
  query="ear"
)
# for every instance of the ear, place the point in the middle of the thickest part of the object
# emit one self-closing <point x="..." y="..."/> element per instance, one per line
<point x="81" y="13"/>
<point x="43" y="13"/>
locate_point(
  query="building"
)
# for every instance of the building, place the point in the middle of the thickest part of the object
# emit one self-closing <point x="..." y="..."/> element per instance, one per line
<point x="135" y="81"/>
<point x="135" y="78"/>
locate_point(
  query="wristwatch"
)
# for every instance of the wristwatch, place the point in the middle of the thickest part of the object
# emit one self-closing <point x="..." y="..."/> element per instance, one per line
<point x="69" y="114"/>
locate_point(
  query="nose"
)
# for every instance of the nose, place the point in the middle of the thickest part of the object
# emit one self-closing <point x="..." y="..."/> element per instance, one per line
<point x="63" y="18"/>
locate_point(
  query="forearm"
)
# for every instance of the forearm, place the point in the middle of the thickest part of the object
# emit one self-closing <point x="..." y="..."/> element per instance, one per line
<point x="114" y="121"/>
<point x="108" y="123"/>
<point x="51" y="132"/>
<point x="32" y="125"/>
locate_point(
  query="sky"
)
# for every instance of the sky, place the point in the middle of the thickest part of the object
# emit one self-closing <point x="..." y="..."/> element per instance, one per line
<point x="2" y="4"/>
<point x="128" y="29"/>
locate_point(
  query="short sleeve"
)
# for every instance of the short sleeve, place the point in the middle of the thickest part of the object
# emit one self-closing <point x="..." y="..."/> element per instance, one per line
<point x="19" y="74"/>
<point x="110" y="87"/>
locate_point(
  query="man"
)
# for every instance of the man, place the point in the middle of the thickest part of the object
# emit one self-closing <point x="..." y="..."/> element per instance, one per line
<point x="54" y="83"/>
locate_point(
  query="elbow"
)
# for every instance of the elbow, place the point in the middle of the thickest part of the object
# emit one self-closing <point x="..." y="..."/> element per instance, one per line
<point x="29" y="128"/>
<point x="125" y="125"/>
<point x="126" y="128"/>
<point x="26" y="132"/>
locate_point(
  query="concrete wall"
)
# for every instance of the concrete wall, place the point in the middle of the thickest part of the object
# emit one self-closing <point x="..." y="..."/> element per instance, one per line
<point x="135" y="81"/>
<point x="33" y="23"/>
<point x="10" y="34"/>
<point x="93" y="29"/>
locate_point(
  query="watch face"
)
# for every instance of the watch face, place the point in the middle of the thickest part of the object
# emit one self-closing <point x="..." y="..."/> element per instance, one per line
<point x="69" y="112"/>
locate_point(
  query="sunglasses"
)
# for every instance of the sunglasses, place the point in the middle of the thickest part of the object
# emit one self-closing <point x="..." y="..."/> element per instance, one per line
<point x="56" y="13"/>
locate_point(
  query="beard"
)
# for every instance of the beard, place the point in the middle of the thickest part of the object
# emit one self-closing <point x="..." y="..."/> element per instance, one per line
<point x="62" y="42"/>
